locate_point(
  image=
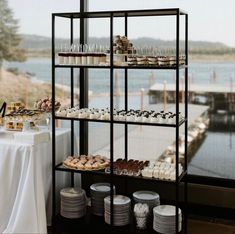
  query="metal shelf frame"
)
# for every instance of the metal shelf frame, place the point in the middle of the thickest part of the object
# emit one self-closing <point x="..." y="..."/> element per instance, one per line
<point x="83" y="74"/>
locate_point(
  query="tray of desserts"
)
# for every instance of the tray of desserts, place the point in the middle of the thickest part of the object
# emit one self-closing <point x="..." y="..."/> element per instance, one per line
<point x="120" y="115"/>
<point x="86" y="162"/>
<point x="18" y="126"/>
<point x="24" y="114"/>
<point x="161" y="170"/>
<point x="45" y="104"/>
<point x="131" y="167"/>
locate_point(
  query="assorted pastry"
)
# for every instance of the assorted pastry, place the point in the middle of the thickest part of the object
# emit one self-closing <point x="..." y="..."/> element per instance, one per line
<point x="45" y="104"/>
<point x="120" y="115"/>
<point x="158" y="170"/>
<point x="86" y="162"/>
<point x="14" y="106"/>
<point x="130" y="167"/>
<point x="161" y="170"/>
<point x="121" y="45"/>
<point x="134" y="60"/>
<point x="18" y="126"/>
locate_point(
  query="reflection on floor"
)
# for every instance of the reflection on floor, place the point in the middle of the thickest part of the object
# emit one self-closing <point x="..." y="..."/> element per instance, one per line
<point x="199" y="226"/>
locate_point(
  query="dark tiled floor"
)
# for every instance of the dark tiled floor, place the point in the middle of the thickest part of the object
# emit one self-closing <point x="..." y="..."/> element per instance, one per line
<point x="196" y="225"/>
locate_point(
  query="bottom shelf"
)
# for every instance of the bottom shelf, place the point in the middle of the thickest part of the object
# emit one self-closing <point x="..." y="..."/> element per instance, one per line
<point x="94" y="224"/>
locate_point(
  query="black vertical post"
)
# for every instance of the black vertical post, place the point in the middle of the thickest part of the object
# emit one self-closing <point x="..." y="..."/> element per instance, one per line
<point x="177" y="123"/>
<point x="126" y="108"/>
<point x="126" y="95"/>
<point x="72" y="99"/>
<point x="53" y="122"/>
<point x="186" y="127"/>
<point x="111" y="117"/>
<point x="83" y="79"/>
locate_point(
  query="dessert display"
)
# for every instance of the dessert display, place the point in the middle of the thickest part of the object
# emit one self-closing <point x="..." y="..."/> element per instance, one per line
<point x="86" y="162"/>
<point x="15" y="120"/>
<point x="14" y="106"/>
<point x="130" y="167"/>
<point x="24" y="115"/>
<point x="161" y="170"/>
<point x="83" y="55"/>
<point x="120" y="115"/>
<point x="121" y="45"/>
<point x="18" y="125"/>
<point x="121" y="49"/>
<point x="124" y="54"/>
<point x="45" y="104"/>
<point x="154" y="60"/>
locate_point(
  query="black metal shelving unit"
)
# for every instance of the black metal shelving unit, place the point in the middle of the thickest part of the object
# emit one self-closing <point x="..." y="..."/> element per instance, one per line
<point x="83" y="73"/>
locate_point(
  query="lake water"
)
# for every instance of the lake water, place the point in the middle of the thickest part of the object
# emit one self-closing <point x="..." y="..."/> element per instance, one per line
<point x="216" y="155"/>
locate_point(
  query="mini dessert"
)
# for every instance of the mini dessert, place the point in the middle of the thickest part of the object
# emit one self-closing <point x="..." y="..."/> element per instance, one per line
<point x="10" y="125"/>
<point x="131" y="60"/>
<point x="152" y="60"/>
<point x="72" y="58"/>
<point x="141" y="60"/>
<point x="19" y="126"/>
<point x="163" y="61"/>
<point x="84" y="58"/>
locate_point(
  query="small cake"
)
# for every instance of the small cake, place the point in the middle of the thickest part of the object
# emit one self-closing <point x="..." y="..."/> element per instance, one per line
<point x="131" y="60"/>
<point x="141" y="60"/>
<point x="10" y="125"/>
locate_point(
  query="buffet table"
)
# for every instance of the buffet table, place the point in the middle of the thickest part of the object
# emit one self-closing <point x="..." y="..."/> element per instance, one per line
<point x="25" y="179"/>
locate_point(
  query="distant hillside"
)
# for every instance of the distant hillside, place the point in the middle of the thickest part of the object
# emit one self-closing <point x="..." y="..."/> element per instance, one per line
<point x="36" y="42"/>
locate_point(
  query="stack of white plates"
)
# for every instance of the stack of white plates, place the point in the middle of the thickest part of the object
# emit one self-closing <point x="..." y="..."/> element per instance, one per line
<point x="151" y="198"/>
<point x="73" y="203"/>
<point x="98" y="192"/>
<point x="121" y="210"/>
<point x="164" y="219"/>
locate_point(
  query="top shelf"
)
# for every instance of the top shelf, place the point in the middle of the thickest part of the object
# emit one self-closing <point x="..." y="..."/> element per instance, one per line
<point x="131" y="13"/>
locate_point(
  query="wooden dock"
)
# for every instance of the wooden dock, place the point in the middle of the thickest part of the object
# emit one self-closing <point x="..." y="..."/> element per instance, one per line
<point x="218" y="97"/>
<point x="145" y="142"/>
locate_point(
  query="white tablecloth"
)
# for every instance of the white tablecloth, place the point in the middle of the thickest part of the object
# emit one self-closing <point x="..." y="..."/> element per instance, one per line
<point x="25" y="183"/>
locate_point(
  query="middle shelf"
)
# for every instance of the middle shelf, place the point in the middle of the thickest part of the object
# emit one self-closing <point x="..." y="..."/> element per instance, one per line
<point x="135" y="117"/>
<point x="60" y="167"/>
<point x="123" y="122"/>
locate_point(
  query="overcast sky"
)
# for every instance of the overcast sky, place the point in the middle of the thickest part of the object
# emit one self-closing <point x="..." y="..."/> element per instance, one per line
<point x="209" y="20"/>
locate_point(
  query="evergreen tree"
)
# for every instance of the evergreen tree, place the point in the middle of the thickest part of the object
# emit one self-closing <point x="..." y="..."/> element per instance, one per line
<point x="9" y="39"/>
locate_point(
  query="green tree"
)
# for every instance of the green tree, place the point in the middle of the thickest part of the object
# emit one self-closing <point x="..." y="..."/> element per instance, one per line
<point x="10" y="40"/>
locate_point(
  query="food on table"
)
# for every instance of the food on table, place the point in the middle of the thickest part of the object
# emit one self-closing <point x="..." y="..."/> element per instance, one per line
<point x="14" y="106"/>
<point x="45" y="104"/>
<point x="18" y="125"/>
<point x="86" y="162"/>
